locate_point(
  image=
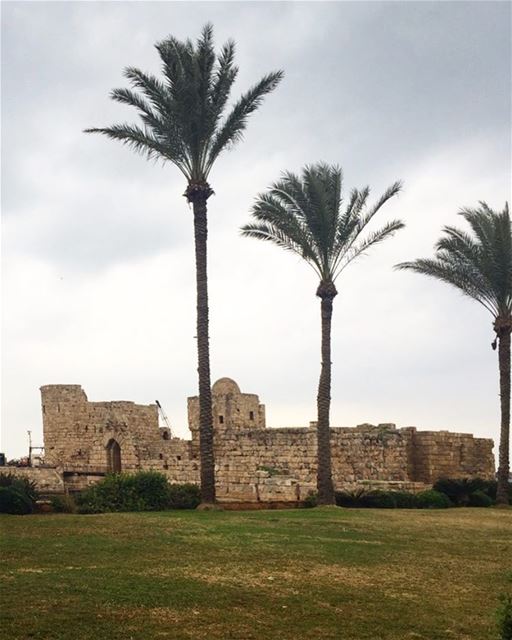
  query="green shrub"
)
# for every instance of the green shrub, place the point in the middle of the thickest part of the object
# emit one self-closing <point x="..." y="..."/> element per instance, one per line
<point x="405" y="500"/>
<point x="311" y="500"/>
<point x="479" y="499"/>
<point x="14" y="502"/>
<point x="152" y="489"/>
<point x="432" y="499"/>
<point x="504" y="617"/>
<point x="21" y="484"/>
<point x="378" y="500"/>
<point x="459" y="490"/>
<point x="184" y="496"/>
<point x="63" y="504"/>
<point x="143" y="491"/>
<point x="349" y="499"/>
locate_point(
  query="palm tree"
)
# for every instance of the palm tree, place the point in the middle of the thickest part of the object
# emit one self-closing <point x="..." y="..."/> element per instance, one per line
<point x="304" y="215"/>
<point x="184" y="122"/>
<point x="480" y="265"/>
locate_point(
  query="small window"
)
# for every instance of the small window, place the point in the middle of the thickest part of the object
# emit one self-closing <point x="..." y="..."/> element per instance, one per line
<point x="44" y="409"/>
<point x="178" y="457"/>
<point x="251" y="415"/>
<point x="161" y="456"/>
<point x="165" y="435"/>
<point x="221" y="419"/>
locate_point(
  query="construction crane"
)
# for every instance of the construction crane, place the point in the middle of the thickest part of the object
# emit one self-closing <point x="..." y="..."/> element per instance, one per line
<point x="164" y="417"/>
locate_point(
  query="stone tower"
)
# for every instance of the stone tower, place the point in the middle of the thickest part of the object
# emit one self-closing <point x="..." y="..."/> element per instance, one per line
<point x="232" y="409"/>
<point x="103" y="436"/>
<point x="62" y="406"/>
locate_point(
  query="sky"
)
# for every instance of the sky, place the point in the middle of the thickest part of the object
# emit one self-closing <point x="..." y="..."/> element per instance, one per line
<point x="98" y="280"/>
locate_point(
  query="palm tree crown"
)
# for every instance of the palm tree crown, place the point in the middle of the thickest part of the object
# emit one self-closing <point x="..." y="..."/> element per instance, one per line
<point x="182" y="116"/>
<point x="304" y="214"/>
<point x="479" y="266"/>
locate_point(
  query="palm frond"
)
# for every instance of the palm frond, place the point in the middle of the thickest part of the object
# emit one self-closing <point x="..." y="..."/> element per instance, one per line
<point x="143" y="142"/>
<point x="303" y="214"/>
<point x="182" y="115"/>
<point x="231" y="130"/>
<point x="375" y="237"/>
<point x="478" y="264"/>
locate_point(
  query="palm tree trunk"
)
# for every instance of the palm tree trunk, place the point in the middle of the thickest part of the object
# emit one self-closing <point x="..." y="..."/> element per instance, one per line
<point x="203" y="352"/>
<point x="324" y="472"/>
<point x="504" y="463"/>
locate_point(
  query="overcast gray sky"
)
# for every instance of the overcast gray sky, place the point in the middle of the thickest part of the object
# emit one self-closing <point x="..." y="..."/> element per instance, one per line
<point x="98" y="283"/>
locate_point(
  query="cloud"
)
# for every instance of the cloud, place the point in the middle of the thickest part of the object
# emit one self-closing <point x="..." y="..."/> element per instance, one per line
<point x="98" y="266"/>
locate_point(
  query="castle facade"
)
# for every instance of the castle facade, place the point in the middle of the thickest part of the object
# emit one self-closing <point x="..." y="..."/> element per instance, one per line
<point x="85" y="440"/>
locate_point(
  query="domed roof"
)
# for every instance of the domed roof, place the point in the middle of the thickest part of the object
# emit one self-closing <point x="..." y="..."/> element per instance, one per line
<point x="224" y="386"/>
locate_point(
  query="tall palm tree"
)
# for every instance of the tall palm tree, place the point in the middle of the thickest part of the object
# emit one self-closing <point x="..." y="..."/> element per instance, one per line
<point x="184" y="121"/>
<point x="480" y="265"/>
<point x="304" y="214"/>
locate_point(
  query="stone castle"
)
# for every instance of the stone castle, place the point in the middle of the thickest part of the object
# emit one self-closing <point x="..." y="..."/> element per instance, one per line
<point x="85" y="440"/>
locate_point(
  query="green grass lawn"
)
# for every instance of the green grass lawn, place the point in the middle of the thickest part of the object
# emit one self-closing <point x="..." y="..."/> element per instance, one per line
<point x="293" y="574"/>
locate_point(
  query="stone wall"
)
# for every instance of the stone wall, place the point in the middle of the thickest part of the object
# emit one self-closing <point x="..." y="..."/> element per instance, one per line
<point x="443" y="454"/>
<point x="77" y="432"/>
<point x="48" y="480"/>
<point x="252" y="463"/>
<point x="255" y="464"/>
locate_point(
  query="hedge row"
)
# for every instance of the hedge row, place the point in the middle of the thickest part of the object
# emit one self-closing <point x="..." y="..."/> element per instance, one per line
<point x="392" y="499"/>
<point x="143" y="491"/>
<point x="446" y="492"/>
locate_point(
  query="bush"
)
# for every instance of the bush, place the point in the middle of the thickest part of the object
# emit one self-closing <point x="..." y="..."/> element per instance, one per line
<point x="432" y="499"/>
<point x="349" y="498"/>
<point x="14" y="502"/>
<point x="152" y="489"/>
<point x="22" y="485"/>
<point x="405" y="500"/>
<point x="479" y="499"/>
<point x="63" y="504"/>
<point x="143" y="491"/>
<point x="377" y="500"/>
<point x="504" y="616"/>
<point x="459" y="490"/>
<point x="184" y="496"/>
<point x="311" y="500"/>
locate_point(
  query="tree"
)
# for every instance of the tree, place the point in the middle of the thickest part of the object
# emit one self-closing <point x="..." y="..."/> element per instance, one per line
<point x="480" y="265"/>
<point x="303" y="214"/>
<point x="184" y="121"/>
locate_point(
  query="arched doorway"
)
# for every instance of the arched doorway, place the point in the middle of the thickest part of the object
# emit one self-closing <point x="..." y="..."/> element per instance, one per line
<point x="113" y="457"/>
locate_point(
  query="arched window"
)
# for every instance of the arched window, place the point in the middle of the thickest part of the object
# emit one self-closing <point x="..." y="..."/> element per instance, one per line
<point x="113" y="457"/>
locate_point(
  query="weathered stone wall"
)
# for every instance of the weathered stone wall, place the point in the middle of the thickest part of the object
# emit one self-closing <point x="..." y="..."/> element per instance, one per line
<point x="48" y="480"/>
<point x="255" y="464"/>
<point x="252" y="463"/>
<point x="77" y="432"/>
<point x="443" y="454"/>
